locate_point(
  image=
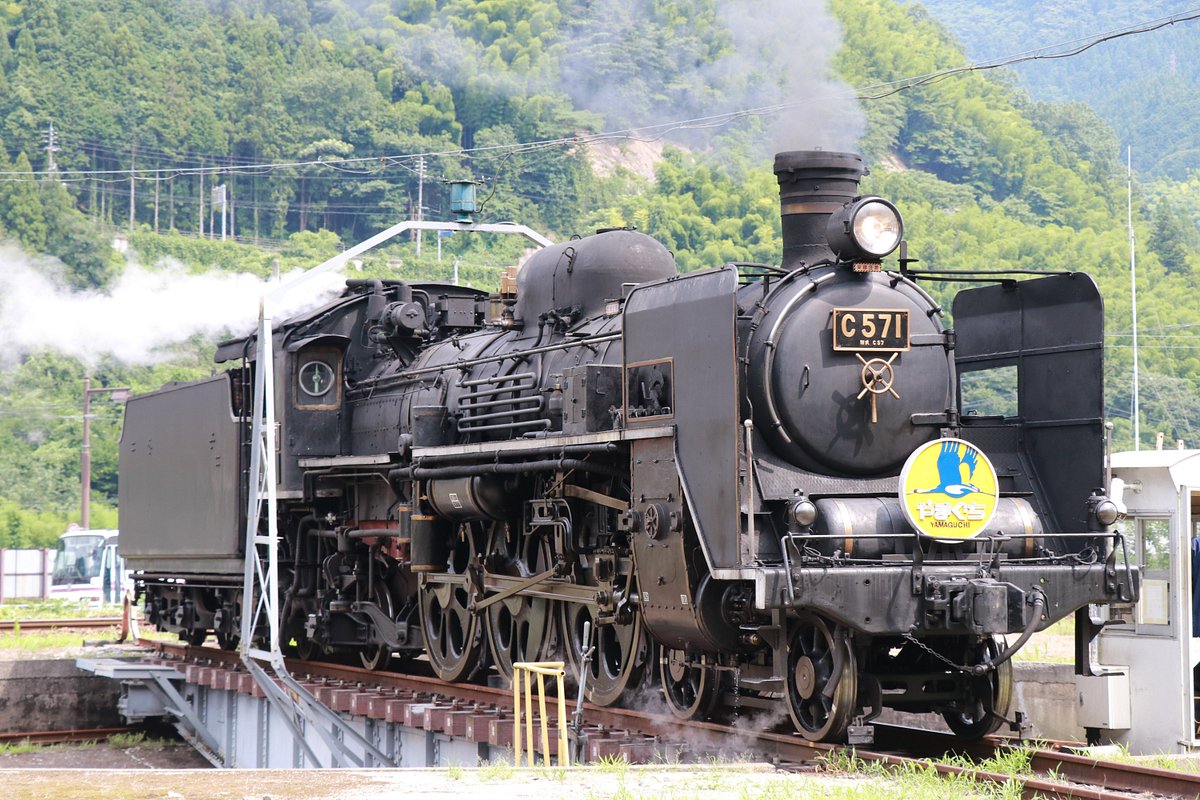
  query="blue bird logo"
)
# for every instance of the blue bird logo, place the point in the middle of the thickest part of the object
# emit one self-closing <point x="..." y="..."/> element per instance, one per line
<point x="950" y="463"/>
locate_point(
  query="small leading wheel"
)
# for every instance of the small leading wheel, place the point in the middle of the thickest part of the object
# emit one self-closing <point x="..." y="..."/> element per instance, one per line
<point x="378" y="656"/>
<point x="223" y="623"/>
<point x="822" y="680"/>
<point x="519" y="628"/>
<point x="453" y="634"/>
<point x="691" y="690"/>
<point x="991" y="695"/>
<point x="307" y="649"/>
<point x="619" y="662"/>
<point x="196" y="636"/>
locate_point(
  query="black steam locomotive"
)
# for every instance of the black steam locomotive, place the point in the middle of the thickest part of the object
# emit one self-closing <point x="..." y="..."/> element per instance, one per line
<point x="752" y="484"/>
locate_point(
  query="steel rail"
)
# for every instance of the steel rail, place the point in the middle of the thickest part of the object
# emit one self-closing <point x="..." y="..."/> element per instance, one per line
<point x="47" y="624"/>
<point x="62" y="737"/>
<point x="1116" y="774"/>
<point x="1058" y="773"/>
<point x="1059" y="758"/>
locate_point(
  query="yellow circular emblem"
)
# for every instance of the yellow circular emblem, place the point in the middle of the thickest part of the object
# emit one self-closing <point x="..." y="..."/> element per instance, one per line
<point x="948" y="490"/>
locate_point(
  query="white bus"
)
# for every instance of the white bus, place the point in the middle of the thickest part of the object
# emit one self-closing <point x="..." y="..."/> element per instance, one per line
<point x="87" y="567"/>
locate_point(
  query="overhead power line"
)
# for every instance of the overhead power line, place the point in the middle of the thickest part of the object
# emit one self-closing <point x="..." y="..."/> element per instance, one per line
<point x="1067" y="49"/>
<point x="227" y="165"/>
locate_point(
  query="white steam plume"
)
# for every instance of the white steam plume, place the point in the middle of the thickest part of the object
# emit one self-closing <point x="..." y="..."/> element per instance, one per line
<point x="798" y="41"/>
<point x="776" y="52"/>
<point x="618" y="59"/>
<point x="139" y="317"/>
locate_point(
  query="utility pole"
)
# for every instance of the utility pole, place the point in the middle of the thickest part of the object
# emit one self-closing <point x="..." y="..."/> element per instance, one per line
<point x="119" y="393"/>
<point x="229" y="198"/>
<point x="201" y="214"/>
<point x="420" y="199"/>
<point x="218" y="196"/>
<point x="94" y="206"/>
<point x="132" y="165"/>
<point x="1137" y="422"/>
<point x="51" y="148"/>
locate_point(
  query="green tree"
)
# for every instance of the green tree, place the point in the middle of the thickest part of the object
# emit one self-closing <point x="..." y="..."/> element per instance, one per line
<point x="1171" y="241"/>
<point x="21" y="206"/>
<point x="73" y="239"/>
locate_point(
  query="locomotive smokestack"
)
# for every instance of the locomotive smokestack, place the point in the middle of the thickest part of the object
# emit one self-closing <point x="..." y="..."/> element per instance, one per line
<point x="812" y="185"/>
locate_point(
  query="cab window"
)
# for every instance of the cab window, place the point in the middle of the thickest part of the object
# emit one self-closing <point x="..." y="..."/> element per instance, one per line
<point x="317" y="378"/>
<point x="1154" y="558"/>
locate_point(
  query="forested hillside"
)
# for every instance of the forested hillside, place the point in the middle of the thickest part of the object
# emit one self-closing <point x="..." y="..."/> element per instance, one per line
<point x="325" y="121"/>
<point x="1144" y="87"/>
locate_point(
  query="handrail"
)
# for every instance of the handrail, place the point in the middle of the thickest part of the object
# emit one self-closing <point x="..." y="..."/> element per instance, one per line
<point x="542" y="669"/>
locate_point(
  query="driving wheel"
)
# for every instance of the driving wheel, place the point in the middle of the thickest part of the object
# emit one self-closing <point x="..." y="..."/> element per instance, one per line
<point x="519" y="628"/>
<point x="991" y="695"/>
<point x="378" y="656"/>
<point x="822" y="680"/>
<point x="690" y="689"/>
<point x="621" y="655"/>
<point x="453" y="634"/>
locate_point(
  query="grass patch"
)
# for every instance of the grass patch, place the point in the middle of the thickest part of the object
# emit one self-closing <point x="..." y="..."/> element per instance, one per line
<point x="794" y="788"/>
<point x="715" y="780"/>
<point x="25" y="746"/>
<point x="1169" y="761"/>
<point x="55" y="609"/>
<point x="613" y="765"/>
<point x="922" y="781"/>
<point x="1011" y="761"/>
<point x="118" y="741"/>
<point x="919" y="780"/>
<point x="557" y="774"/>
<point x="1055" y="645"/>
<point x="623" y="793"/>
<point x="20" y="748"/>
<point x="123" y="741"/>
<point x="843" y="761"/>
<point x="28" y="642"/>
<point x="498" y="770"/>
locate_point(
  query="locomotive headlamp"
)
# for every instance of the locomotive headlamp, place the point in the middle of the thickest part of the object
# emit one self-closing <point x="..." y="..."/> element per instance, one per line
<point x="803" y="512"/>
<point x="1108" y="511"/>
<point x="866" y="227"/>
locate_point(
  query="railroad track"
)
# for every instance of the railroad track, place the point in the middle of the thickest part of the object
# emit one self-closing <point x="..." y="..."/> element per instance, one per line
<point x="1058" y="773"/>
<point x="79" y="623"/>
<point x="62" y="737"/>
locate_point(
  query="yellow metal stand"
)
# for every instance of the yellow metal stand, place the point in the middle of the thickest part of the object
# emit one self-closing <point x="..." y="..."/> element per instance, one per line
<point x="542" y="670"/>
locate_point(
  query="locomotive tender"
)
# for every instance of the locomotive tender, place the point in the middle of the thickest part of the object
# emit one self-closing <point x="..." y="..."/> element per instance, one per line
<point x="770" y="484"/>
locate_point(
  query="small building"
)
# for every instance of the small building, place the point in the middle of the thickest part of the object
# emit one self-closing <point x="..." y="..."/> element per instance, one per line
<point x="1145" y="693"/>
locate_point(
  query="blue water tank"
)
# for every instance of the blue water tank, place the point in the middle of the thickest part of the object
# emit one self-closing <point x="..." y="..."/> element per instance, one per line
<point x="462" y="200"/>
